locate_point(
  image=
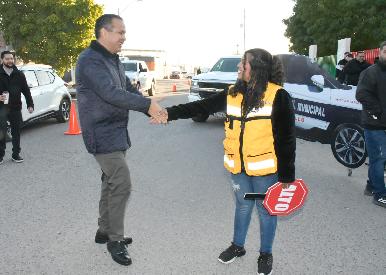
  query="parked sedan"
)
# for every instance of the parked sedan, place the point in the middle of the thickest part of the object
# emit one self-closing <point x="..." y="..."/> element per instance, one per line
<point x="175" y="75"/>
<point x="49" y="93"/>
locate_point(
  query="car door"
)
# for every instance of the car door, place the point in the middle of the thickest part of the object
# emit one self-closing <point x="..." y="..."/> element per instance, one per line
<point x="143" y="72"/>
<point x="45" y="90"/>
<point x="35" y="90"/>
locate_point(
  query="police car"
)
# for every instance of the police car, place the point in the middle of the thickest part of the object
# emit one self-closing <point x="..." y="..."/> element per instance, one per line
<point x="325" y="110"/>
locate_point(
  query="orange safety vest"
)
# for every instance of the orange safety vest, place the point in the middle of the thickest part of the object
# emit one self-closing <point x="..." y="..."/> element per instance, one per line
<point x="249" y="141"/>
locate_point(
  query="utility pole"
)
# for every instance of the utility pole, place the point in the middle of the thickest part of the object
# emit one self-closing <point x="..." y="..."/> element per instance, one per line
<point x="122" y="10"/>
<point x="244" y="29"/>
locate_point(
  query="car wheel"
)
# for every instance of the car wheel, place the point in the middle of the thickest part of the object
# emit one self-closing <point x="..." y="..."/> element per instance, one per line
<point x="200" y="118"/>
<point x="348" y="145"/>
<point x="64" y="110"/>
<point x="151" y="91"/>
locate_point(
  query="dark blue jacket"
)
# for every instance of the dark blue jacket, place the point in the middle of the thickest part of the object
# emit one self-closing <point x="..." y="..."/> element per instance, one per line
<point x="105" y="96"/>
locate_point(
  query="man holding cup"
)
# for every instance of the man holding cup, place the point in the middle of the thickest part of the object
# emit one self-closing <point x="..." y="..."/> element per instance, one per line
<point x="12" y="84"/>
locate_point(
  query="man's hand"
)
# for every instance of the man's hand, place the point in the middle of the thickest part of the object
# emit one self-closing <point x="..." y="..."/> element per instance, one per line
<point x="3" y="97"/>
<point x="30" y="110"/>
<point x="157" y="113"/>
<point x="164" y="114"/>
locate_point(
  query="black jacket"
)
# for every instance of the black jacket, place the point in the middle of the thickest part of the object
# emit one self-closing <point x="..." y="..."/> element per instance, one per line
<point x="105" y="96"/>
<point x="340" y="75"/>
<point x="15" y="84"/>
<point x="353" y="69"/>
<point x="371" y="92"/>
<point x="283" y="126"/>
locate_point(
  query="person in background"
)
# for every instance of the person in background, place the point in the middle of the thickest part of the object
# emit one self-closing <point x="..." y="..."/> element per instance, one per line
<point x="259" y="144"/>
<point x="340" y="75"/>
<point x="371" y="93"/>
<point x="12" y="85"/>
<point x="354" y="67"/>
<point x="105" y="96"/>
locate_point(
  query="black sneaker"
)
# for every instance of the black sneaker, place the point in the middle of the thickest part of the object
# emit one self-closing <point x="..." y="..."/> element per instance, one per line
<point x="231" y="253"/>
<point x="264" y="263"/>
<point x="381" y="201"/>
<point x="368" y="189"/>
<point x="17" y="159"/>
<point x="101" y="237"/>
<point x="119" y="252"/>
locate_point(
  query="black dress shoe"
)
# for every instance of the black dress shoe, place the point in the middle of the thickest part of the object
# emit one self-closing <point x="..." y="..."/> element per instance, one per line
<point x="119" y="252"/>
<point x="101" y="237"/>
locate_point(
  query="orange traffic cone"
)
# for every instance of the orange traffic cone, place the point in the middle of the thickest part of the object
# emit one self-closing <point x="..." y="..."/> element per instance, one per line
<point x="174" y="88"/>
<point x="73" y="127"/>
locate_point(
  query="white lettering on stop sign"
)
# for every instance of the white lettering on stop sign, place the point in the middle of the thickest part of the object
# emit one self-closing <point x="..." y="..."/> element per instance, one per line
<point x="285" y="198"/>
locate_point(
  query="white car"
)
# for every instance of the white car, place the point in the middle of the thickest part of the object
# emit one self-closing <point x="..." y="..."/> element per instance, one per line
<point x="49" y="93"/>
<point x="325" y="110"/>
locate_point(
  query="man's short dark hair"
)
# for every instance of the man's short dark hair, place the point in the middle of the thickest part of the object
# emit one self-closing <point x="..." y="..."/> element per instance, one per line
<point x="346" y="53"/>
<point x="6" y="52"/>
<point x="382" y="45"/>
<point x="104" y="22"/>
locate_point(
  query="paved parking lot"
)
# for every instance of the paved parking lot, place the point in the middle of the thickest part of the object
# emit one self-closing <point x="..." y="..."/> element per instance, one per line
<point x="180" y="213"/>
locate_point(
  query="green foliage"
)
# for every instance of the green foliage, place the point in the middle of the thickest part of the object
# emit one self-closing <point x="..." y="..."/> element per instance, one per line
<point x="324" y="22"/>
<point x="49" y="31"/>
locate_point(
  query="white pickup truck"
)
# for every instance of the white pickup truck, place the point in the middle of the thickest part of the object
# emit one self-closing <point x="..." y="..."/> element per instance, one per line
<point x="140" y="76"/>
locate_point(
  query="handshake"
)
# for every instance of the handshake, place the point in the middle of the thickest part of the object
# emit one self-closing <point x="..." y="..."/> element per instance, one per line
<point x="158" y="114"/>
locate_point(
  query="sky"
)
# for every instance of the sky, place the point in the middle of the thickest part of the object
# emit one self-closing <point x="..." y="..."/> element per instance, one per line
<point x="198" y="32"/>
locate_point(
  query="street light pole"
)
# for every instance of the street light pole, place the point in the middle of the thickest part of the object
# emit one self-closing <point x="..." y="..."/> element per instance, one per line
<point x="244" y="29"/>
<point x="122" y="10"/>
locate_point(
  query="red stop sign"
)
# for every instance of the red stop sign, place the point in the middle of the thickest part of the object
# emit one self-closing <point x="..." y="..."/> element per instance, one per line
<point x="282" y="202"/>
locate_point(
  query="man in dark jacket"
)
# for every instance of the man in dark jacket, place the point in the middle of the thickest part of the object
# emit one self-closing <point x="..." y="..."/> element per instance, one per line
<point x="12" y="85"/>
<point x="354" y="67"/>
<point x="105" y="95"/>
<point x="371" y="92"/>
<point x="340" y="75"/>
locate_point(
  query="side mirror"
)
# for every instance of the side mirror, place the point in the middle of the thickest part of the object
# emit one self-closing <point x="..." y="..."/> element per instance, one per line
<point x="318" y="80"/>
<point x="144" y="70"/>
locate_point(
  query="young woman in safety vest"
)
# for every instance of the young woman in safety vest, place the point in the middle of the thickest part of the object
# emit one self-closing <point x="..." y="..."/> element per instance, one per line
<point x="259" y="144"/>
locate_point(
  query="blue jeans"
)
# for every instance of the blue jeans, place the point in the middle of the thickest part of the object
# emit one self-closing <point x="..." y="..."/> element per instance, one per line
<point x="376" y="149"/>
<point x="241" y="184"/>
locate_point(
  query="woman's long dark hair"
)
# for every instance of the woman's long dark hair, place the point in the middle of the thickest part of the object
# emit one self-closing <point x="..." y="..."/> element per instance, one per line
<point x="264" y="68"/>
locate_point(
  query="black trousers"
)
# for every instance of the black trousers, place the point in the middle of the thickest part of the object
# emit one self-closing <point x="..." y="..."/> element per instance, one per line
<point x="15" y="120"/>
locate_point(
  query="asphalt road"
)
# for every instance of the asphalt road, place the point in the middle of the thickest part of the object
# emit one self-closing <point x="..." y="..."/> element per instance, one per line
<point x="180" y="214"/>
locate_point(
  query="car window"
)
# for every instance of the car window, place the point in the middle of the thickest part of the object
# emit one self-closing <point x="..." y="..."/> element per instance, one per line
<point x="130" y="67"/>
<point x="43" y="78"/>
<point x="226" y="65"/>
<point x="31" y="78"/>
<point x="52" y="77"/>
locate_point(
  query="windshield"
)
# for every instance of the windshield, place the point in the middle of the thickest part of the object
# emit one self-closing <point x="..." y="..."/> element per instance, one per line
<point x="130" y="66"/>
<point x="299" y="69"/>
<point x="226" y="65"/>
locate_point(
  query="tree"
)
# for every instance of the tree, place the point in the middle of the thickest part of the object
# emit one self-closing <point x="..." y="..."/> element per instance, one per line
<point x="324" y="22"/>
<point x="49" y="31"/>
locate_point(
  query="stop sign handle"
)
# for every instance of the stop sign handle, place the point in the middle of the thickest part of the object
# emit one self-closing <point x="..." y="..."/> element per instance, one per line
<point x="254" y="196"/>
